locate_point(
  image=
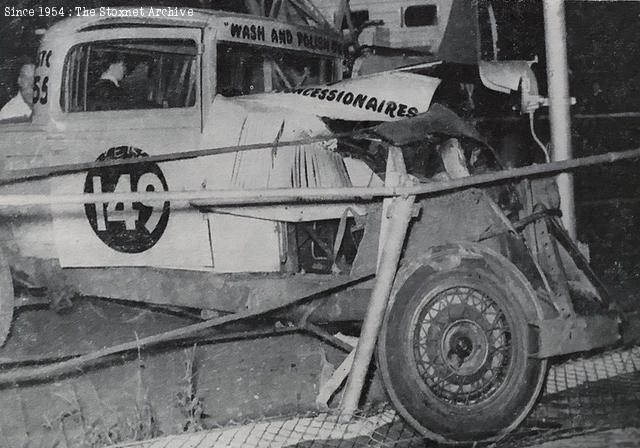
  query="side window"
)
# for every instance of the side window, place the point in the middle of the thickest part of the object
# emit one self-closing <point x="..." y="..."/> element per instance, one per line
<point x="240" y="70"/>
<point x="245" y="69"/>
<point x="130" y="74"/>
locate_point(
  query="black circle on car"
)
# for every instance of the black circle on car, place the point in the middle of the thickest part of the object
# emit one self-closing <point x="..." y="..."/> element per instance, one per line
<point x="128" y="227"/>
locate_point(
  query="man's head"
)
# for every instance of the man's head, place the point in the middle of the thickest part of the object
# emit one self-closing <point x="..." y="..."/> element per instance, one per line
<point x="117" y="69"/>
<point x="115" y="66"/>
<point x="25" y="82"/>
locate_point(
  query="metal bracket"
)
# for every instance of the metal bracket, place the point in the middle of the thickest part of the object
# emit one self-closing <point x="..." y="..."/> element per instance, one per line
<point x="549" y="259"/>
<point x="563" y="237"/>
<point x="563" y="336"/>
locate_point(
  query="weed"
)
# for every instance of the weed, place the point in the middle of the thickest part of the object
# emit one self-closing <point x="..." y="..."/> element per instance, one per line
<point x="74" y="429"/>
<point x="188" y="403"/>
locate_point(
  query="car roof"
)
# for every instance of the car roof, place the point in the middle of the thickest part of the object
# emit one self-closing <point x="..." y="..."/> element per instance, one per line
<point x="201" y="18"/>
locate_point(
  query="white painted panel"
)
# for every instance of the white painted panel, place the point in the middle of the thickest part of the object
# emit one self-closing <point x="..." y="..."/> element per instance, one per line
<point x="23" y="146"/>
<point x="360" y="174"/>
<point x="183" y="244"/>
<point x="295" y="212"/>
<point x="244" y="244"/>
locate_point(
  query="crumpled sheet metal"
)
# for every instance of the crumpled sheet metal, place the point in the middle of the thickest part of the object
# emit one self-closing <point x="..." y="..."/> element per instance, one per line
<point x="437" y="120"/>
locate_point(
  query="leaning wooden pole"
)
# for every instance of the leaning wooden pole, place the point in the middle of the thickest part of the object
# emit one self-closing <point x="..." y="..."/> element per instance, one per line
<point x="402" y="210"/>
<point x="399" y="212"/>
<point x="215" y="198"/>
<point x="78" y="363"/>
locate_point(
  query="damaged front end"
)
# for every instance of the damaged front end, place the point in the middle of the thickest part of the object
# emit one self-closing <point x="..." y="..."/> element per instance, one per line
<point x="518" y="219"/>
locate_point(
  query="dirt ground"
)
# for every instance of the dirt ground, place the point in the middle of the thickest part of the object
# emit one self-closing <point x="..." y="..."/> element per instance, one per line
<point x="182" y="387"/>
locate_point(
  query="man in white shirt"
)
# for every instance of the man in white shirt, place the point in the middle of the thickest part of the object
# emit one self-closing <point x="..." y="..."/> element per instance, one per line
<point x="19" y="107"/>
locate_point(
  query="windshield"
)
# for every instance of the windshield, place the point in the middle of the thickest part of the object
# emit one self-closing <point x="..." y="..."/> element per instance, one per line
<point x="245" y="69"/>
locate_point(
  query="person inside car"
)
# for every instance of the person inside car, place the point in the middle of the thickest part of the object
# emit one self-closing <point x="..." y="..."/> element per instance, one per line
<point x="19" y="107"/>
<point x="108" y="93"/>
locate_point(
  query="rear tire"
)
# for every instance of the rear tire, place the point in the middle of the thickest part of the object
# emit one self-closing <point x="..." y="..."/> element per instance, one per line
<point x="454" y="346"/>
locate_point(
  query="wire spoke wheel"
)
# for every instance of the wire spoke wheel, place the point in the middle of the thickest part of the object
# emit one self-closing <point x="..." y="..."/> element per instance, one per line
<point x="462" y="346"/>
<point x="455" y="343"/>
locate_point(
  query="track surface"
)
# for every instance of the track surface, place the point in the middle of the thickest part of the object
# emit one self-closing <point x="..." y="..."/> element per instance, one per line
<point x="225" y="385"/>
<point x="583" y="399"/>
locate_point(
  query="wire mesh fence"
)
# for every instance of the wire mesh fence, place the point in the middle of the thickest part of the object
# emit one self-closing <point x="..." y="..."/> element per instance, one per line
<point x="583" y="396"/>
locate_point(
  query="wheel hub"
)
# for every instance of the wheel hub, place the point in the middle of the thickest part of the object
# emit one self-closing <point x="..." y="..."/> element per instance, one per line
<point x="461" y="345"/>
<point x="465" y="347"/>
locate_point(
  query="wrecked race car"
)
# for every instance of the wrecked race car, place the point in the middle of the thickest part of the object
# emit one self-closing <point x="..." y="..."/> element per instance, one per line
<point x="117" y="201"/>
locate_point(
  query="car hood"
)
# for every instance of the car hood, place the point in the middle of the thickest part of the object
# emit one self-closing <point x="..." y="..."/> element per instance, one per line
<point x="299" y="112"/>
<point x="387" y="96"/>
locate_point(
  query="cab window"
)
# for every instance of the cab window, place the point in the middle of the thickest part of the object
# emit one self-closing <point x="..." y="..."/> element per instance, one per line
<point x="245" y="69"/>
<point x="420" y="15"/>
<point x="130" y="74"/>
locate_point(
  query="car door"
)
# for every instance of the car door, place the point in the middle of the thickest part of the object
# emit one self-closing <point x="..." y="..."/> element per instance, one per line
<point x="159" y="112"/>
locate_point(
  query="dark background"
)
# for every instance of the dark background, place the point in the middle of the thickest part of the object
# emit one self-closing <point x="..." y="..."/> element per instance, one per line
<point x="604" y="77"/>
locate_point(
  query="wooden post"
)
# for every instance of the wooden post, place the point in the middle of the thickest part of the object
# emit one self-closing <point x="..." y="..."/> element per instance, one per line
<point x="559" y="104"/>
<point x="400" y="212"/>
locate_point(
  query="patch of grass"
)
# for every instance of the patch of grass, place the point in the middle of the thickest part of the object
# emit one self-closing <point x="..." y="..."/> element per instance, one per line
<point x="72" y="427"/>
<point x="140" y="424"/>
<point x="187" y="400"/>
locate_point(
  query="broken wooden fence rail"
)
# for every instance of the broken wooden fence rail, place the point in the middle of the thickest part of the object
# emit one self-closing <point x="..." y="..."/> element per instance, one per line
<point x="214" y="198"/>
<point x="27" y="174"/>
<point x="75" y="365"/>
